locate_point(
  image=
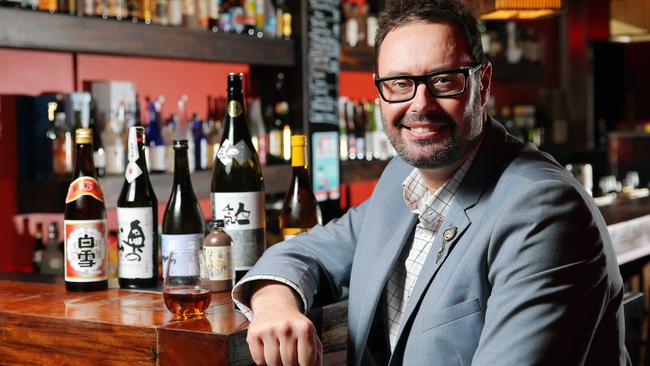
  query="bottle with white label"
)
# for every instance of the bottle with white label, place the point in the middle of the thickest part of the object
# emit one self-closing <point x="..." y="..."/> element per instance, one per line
<point x="183" y="224"/>
<point x="84" y="229"/>
<point x="237" y="184"/>
<point x="217" y="250"/>
<point x="137" y="219"/>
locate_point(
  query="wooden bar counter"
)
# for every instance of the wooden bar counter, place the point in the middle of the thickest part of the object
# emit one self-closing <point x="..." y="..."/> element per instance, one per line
<point x="42" y="324"/>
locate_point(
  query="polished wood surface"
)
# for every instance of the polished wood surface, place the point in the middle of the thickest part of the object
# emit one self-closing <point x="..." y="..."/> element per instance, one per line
<point x="43" y="324"/>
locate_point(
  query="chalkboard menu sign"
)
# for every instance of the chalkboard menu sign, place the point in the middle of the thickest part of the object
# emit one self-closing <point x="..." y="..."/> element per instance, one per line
<point x="323" y="54"/>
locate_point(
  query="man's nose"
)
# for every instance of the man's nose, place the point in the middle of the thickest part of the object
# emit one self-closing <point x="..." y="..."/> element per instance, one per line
<point x="423" y="100"/>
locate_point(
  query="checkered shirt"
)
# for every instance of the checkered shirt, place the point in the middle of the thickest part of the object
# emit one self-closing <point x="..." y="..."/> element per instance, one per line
<point x="431" y="209"/>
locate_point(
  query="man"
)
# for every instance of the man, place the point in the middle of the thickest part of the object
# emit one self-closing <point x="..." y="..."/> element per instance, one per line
<point x="474" y="248"/>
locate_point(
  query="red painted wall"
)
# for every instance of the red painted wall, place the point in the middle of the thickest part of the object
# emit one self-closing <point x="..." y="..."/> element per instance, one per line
<point x="35" y="72"/>
<point x="154" y="77"/>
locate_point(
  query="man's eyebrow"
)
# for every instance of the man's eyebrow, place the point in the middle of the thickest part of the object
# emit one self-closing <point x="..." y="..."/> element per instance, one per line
<point x="393" y="73"/>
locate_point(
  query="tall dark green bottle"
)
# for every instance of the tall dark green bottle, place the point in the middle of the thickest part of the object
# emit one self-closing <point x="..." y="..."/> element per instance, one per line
<point x="137" y="219"/>
<point x="237" y="184"/>
<point x="183" y="224"/>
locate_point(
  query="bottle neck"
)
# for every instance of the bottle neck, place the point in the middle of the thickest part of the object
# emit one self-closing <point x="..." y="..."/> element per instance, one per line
<point x="84" y="165"/>
<point x="235" y="127"/>
<point x="136" y="150"/>
<point x="298" y="156"/>
<point x="181" y="167"/>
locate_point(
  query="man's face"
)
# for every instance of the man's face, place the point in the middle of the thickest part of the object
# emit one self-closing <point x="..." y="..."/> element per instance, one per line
<point x="426" y="131"/>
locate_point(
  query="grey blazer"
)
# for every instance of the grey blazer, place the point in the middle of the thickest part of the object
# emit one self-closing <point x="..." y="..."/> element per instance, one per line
<point x="530" y="278"/>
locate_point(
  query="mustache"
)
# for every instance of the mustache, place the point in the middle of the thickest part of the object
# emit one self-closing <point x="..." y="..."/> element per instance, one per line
<point x="431" y="117"/>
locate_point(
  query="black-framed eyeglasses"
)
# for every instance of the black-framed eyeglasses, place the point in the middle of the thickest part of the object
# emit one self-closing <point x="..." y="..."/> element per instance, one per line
<point x="441" y="84"/>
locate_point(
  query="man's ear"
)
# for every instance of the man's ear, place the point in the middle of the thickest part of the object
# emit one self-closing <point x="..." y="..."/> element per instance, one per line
<point x="485" y="82"/>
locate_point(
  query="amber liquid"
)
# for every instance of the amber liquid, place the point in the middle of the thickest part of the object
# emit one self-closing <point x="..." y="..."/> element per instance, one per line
<point x="186" y="303"/>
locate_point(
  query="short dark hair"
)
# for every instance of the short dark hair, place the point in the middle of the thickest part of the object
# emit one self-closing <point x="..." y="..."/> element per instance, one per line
<point x="402" y="12"/>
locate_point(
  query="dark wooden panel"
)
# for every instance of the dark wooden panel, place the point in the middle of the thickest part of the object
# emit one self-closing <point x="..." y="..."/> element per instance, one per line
<point x="59" y="32"/>
<point x="357" y="58"/>
<point x="362" y="170"/>
<point x="624" y="210"/>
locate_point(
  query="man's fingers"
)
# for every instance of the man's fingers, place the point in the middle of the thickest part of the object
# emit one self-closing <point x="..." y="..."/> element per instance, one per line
<point x="256" y="346"/>
<point x="288" y="351"/>
<point x="309" y="348"/>
<point x="272" y="351"/>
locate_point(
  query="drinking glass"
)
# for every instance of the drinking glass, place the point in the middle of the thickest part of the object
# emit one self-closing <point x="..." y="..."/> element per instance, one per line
<point x="185" y="288"/>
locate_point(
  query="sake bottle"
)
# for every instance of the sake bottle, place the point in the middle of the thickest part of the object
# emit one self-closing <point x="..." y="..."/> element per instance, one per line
<point x="183" y="224"/>
<point x="137" y="219"/>
<point x="237" y="192"/>
<point x="85" y="222"/>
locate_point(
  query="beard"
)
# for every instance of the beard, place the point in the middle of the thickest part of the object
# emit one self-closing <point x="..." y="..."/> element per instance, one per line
<point x="438" y="153"/>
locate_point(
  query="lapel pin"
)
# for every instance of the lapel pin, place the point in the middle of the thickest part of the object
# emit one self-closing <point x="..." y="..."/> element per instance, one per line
<point x="449" y="234"/>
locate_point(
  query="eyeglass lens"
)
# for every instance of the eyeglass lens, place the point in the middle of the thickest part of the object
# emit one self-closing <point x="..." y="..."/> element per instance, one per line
<point x="439" y="85"/>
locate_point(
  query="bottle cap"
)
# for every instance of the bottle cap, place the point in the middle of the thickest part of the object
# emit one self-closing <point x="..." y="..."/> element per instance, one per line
<point x="215" y="224"/>
<point x="235" y="80"/>
<point x="84" y="136"/>
<point x="180" y="144"/>
<point x="298" y="140"/>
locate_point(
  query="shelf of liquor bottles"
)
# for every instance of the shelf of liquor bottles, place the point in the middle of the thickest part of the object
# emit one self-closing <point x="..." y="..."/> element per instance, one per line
<point x="38" y="196"/>
<point x="61" y="32"/>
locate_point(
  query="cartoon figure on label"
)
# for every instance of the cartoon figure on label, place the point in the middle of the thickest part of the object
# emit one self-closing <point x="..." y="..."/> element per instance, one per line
<point x="135" y="240"/>
<point x="240" y="217"/>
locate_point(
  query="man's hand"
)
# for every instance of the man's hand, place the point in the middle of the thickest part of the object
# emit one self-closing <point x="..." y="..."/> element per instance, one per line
<point x="279" y="333"/>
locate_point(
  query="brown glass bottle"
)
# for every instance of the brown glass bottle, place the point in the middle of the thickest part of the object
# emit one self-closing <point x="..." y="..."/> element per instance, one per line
<point x="217" y="250"/>
<point x="300" y="210"/>
<point x="237" y="191"/>
<point x="137" y="219"/>
<point x="85" y="222"/>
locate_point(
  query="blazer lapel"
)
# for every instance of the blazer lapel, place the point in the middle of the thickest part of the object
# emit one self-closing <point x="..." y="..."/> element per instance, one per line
<point x="382" y="264"/>
<point x="452" y="229"/>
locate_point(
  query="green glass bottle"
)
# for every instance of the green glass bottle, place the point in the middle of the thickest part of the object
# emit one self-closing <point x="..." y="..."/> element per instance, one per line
<point x="237" y="184"/>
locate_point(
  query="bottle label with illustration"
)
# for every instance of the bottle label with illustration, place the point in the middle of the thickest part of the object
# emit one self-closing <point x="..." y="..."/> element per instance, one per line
<point x="245" y="221"/>
<point x="84" y="186"/>
<point x="219" y="262"/>
<point x="229" y="152"/>
<point x="85" y="250"/>
<point x="171" y="242"/>
<point x="135" y="242"/>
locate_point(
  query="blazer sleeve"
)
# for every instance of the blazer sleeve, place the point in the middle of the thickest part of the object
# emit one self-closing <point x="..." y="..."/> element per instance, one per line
<point x="550" y="278"/>
<point x="317" y="261"/>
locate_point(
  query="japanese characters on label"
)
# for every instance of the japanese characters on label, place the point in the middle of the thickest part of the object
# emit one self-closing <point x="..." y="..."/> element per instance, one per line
<point x="243" y="216"/>
<point x="170" y="242"/>
<point x="219" y="263"/>
<point x="136" y="242"/>
<point x="239" y="210"/>
<point x="83" y="186"/>
<point x="85" y="250"/>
